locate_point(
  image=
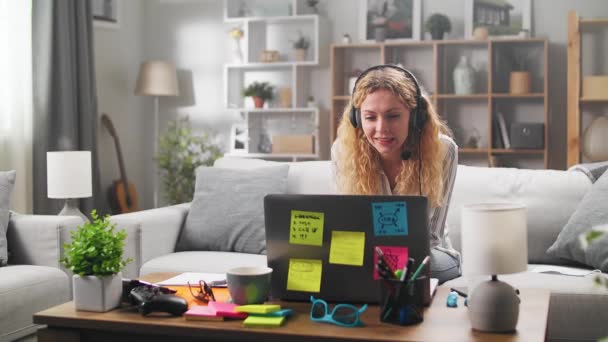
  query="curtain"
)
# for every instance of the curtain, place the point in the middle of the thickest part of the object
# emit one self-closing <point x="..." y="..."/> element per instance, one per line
<point x="16" y="98"/>
<point x="65" y="102"/>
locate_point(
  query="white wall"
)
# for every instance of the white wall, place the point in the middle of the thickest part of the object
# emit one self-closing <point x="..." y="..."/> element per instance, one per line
<point x="191" y="33"/>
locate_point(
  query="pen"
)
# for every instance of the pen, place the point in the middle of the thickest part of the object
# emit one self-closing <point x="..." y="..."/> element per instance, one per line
<point x="460" y="293"/>
<point x="419" y="269"/>
<point x="382" y="261"/>
<point x="410" y="266"/>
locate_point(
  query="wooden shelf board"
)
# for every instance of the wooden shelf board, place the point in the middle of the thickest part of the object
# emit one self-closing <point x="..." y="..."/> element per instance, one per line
<point x="593" y="100"/>
<point x="461" y="42"/>
<point x="516" y="96"/>
<point x="593" y="21"/>
<point x="518" y="40"/>
<point x="473" y="150"/>
<point x="516" y="151"/>
<point x="457" y="96"/>
<point x="272" y="19"/>
<point x="358" y="46"/>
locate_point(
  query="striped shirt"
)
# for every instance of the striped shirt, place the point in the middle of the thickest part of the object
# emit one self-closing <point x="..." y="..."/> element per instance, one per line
<point x="437" y="222"/>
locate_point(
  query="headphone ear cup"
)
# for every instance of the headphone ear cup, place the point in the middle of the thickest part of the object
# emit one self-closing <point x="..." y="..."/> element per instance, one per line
<point x="354" y="117"/>
<point x="421" y="114"/>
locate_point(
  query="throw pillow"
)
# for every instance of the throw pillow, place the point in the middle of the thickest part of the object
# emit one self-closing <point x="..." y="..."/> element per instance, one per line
<point x="227" y="211"/>
<point x="591" y="211"/>
<point x="7" y="181"/>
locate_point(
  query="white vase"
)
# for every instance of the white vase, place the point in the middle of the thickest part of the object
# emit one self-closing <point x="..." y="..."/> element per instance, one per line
<point x="98" y="294"/>
<point x="238" y="52"/>
<point x="464" y="77"/>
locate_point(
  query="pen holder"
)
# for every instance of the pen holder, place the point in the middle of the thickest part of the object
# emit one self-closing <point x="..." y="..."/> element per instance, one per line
<point x="401" y="302"/>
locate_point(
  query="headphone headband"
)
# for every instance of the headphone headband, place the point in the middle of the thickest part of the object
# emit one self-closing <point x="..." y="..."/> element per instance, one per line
<point x="396" y="67"/>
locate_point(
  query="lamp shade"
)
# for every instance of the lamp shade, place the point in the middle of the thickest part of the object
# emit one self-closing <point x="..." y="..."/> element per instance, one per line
<point x="494" y="238"/>
<point x="69" y="174"/>
<point x="157" y="78"/>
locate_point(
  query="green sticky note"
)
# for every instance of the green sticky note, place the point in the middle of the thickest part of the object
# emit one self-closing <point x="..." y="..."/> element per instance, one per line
<point x="263" y="321"/>
<point x="258" y="308"/>
<point x="347" y="248"/>
<point x="306" y="228"/>
<point x="304" y="275"/>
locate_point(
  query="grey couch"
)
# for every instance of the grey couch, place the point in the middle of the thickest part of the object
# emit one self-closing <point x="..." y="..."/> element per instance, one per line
<point x="578" y="310"/>
<point x="33" y="280"/>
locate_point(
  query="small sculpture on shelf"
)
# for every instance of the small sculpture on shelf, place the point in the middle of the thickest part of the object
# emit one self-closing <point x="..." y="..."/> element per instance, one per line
<point x="346" y="39"/>
<point x="301" y="46"/>
<point x="464" y="77"/>
<point x="438" y="24"/>
<point x="313" y="5"/>
<point x="260" y="92"/>
<point x="236" y="33"/>
<point x="311" y="101"/>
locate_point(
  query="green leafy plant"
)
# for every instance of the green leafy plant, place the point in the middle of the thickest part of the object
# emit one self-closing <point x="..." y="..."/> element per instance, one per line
<point x="438" y="24"/>
<point x="259" y="89"/>
<point x="180" y="152"/>
<point x="96" y="248"/>
<point x="301" y="43"/>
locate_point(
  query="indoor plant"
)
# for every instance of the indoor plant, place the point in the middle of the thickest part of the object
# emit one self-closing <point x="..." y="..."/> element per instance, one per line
<point x="179" y="154"/>
<point x="95" y="257"/>
<point x="438" y="24"/>
<point x="260" y="91"/>
<point x="301" y="46"/>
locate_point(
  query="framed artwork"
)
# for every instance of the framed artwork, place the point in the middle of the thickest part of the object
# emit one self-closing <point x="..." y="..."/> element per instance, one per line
<point x="401" y="18"/>
<point x="239" y="138"/>
<point x="105" y="13"/>
<point x="502" y="18"/>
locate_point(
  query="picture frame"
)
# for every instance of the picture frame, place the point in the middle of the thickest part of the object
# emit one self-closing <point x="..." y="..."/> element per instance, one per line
<point x="106" y="13"/>
<point x="512" y="19"/>
<point x="403" y="19"/>
<point x="239" y="138"/>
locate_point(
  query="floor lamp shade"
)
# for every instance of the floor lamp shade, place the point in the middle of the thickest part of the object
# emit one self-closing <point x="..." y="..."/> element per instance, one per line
<point x="494" y="241"/>
<point x="157" y="78"/>
<point x="69" y="174"/>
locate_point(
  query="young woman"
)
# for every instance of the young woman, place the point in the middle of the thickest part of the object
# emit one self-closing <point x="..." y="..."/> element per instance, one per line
<point x="391" y="141"/>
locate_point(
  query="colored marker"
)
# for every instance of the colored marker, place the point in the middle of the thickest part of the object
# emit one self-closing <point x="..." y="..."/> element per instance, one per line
<point x="419" y="269"/>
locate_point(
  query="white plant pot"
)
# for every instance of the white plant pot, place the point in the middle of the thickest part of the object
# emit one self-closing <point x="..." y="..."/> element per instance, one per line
<point x="93" y="293"/>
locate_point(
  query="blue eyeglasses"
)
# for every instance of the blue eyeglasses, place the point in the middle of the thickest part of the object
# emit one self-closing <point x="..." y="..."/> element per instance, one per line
<point x="344" y="315"/>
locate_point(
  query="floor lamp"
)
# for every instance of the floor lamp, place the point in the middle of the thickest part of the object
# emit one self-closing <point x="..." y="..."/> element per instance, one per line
<point x="156" y="78"/>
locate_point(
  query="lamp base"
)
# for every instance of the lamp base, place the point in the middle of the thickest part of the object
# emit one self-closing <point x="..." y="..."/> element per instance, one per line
<point x="71" y="209"/>
<point x="493" y="307"/>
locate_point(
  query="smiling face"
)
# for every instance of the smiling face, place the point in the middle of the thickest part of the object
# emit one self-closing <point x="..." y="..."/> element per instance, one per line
<point x="385" y="122"/>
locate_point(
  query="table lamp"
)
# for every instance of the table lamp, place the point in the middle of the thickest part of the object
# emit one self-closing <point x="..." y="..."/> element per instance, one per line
<point x="494" y="241"/>
<point x="156" y="78"/>
<point x="69" y="177"/>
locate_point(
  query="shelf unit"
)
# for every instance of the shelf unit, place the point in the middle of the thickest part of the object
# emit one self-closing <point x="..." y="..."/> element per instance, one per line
<point x="273" y="25"/>
<point x="433" y="63"/>
<point x="581" y="110"/>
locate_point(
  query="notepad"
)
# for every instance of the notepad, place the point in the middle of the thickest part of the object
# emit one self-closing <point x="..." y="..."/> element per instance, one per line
<point x="258" y="308"/>
<point x="202" y="313"/>
<point x="227" y="310"/>
<point x="263" y="322"/>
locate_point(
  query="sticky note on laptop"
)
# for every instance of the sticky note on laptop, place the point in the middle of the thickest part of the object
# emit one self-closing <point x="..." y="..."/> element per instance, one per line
<point x="390" y="218"/>
<point x="347" y="248"/>
<point x="263" y="321"/>
<point x="306" y="228"/>
<point x="304" y="275"/>
<point x="395" y="256"/>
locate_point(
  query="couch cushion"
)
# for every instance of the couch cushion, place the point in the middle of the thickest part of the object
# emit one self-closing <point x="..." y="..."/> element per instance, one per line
<point x="25" y="290"/>
<point x="306" y="177"/>
<point x="550" y="196"/>
<point x="592" y="211"/>
<point x="227" y="211"/>
<point x="203" y="261"/>
<point x="7" y="181"/>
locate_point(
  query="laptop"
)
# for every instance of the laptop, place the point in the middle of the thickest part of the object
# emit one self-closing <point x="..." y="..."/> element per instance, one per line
<point x="323" y="245"/>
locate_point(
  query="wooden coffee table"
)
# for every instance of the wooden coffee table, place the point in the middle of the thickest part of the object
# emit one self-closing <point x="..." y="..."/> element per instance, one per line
<point x="441" y="323"/>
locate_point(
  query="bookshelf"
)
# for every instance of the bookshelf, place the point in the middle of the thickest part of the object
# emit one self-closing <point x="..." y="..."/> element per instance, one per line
<point x="472" y="115"/>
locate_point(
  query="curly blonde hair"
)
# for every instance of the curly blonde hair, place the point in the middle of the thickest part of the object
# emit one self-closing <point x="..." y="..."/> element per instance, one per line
<point x="358" y="162"/>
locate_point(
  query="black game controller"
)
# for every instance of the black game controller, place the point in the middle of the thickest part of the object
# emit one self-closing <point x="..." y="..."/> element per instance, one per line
<point x="151" y="299"/>
<point x="130" y="284"/>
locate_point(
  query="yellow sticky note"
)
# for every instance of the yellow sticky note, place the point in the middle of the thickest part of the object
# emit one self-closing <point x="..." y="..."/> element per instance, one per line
<point x="304" y="275"/>
<point x="306" y="228"/>
<point x="347" y="248"/>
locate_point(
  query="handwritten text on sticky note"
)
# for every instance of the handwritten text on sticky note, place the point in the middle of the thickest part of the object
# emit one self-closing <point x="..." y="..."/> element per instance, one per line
<point x="306" y="228"/>
<point x="347" y="248"/>
<point x="395" y="256"/>
<point x="304" y="275"/>
<point x="390" y="218"/>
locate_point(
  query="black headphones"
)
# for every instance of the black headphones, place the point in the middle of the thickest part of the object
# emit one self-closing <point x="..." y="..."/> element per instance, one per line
<point x="418" y="114"/>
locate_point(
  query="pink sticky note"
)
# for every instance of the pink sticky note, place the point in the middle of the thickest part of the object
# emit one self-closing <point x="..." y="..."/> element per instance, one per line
<point x="227" y="310"/>
<point x="395" y="256"/>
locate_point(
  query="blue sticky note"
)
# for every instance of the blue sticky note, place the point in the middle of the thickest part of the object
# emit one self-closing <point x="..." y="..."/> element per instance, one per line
<point x="390" y="218"/>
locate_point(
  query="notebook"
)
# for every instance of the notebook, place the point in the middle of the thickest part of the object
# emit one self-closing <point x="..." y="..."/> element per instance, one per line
<point x="323" y="245"/>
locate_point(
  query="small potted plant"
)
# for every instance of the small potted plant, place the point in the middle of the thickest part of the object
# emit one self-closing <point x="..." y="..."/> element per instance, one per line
<point x="519" y="76"/>
<point x="301" y="46"/>
<point x="260" y="91"/>
<point x="95" y="256"/>
<point x="438" y="24"/>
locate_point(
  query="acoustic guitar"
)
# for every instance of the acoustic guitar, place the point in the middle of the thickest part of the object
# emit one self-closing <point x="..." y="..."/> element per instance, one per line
<point x="121" y="194"/>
